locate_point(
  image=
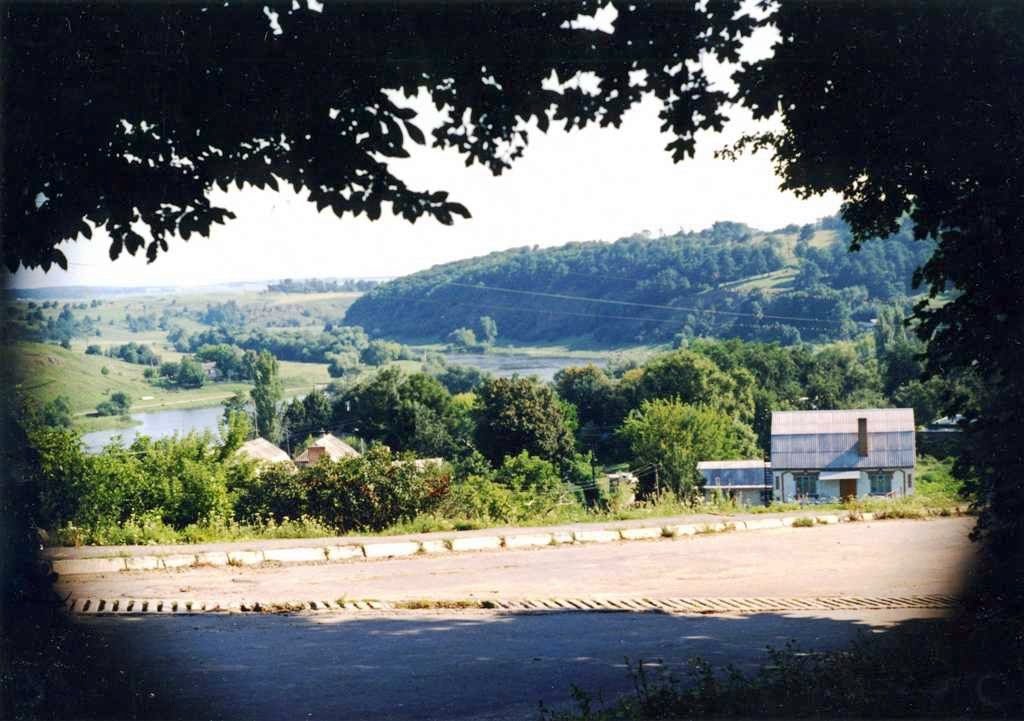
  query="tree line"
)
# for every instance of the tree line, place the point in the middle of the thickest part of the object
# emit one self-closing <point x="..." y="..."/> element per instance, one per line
<point x="649" y="289"/>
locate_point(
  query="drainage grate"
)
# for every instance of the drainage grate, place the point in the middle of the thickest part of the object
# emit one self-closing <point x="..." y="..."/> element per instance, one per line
<point x="721" y="605"/>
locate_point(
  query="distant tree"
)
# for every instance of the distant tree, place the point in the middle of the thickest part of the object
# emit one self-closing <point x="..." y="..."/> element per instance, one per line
<point x="591" y="391"/>
<point x="696" y="379"/>
<point x="379" y="352"/>
<point x="266" y="395"/>
<point x="118" y="405"/>
<point x="488" y="330"/>
<point x="520" y="414"/>
<point x="56" y="413"/>
<point x="461" y="379"/>
<point x="190" y="373"/>
<point x="462" y="340"/>
<point x="235" y="430"/>
<point x="93" y="349"/>
<point x="343" y="364"/>
<point x="675" y="436"/>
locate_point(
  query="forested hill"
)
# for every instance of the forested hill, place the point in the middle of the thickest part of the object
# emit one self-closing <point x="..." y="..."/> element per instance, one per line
<point x="730" y="280"/>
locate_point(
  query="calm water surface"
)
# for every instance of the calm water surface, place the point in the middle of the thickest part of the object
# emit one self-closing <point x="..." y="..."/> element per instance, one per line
<point x="158" y="424"/>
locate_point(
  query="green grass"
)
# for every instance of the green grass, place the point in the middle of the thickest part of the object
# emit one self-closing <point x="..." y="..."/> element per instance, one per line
<point x="46" y="371"/>
<point x="153" y="531"/>
<point x="774" y="281"/>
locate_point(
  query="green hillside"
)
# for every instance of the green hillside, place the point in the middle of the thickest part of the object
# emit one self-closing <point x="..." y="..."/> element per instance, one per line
<point x="730" y="280"/>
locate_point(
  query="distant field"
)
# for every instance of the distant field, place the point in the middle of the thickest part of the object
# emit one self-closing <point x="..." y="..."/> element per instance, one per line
<point x="47" y="371"/>
<point x="774" y="281"/>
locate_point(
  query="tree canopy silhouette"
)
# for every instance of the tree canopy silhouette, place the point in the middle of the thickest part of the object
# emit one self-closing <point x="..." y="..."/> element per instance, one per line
<point x="126" y="115"/>
<point x="916" y="108"/>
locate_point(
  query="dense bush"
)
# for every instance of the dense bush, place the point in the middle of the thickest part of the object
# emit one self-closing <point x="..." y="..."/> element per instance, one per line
<point x="372" y="491"/>
<point x="177" y="485"/>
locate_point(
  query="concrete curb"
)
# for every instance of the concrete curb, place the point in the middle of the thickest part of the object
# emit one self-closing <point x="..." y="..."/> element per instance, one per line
<point x="460" y="544"/>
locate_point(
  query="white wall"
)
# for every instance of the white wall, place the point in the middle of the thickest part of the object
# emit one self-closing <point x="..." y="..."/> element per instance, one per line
<point x="830" y="489"/>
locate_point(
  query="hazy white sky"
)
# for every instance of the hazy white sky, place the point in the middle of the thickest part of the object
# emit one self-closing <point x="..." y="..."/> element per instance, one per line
<point x="594" y="184"/>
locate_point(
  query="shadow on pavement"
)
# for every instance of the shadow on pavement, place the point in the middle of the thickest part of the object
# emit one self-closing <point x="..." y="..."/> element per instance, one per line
<point x="433" y="665"/>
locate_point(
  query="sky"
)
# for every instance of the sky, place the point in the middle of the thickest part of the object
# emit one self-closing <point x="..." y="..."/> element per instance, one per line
<point x="591" y="184"/>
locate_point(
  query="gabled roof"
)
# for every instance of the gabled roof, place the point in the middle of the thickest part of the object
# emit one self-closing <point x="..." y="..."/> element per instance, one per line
<point x="880" y="420"/>
<point x="260" y="449"/>
<point x="334" y="448"/>
<point x="828" y="440"/>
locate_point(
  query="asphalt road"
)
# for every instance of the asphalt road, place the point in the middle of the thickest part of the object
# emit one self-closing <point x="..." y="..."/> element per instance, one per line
<point x="884" y="558"/>
<point x="498" y="665"/>
<point x="428" y="665"/>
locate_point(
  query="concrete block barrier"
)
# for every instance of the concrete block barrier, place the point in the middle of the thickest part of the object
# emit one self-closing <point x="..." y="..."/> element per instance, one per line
<point x="434" y="546"/>
<point x="69" y="566"/>
<point x="295" y="555"/>
<point x="641" y="534"/>
<point x="143" y="563"/>
<point x="596" y="536"/>
<point x="245" y="558"/>
<point x="391" y="550"/>
<point x="717" y="527"/>
<point x="757" y="524"/>
<point x="527" y="540"/>
<point x="475" y="543"/>
<point x="178" y="560"/>
<point x="212" y="558"/>
<point x="344" y="553"/>
<point x="684" y="529"/>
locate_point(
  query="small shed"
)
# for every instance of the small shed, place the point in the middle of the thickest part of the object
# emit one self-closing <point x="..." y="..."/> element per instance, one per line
<point x="328" y="446"/>
<point x="746" y="481"/>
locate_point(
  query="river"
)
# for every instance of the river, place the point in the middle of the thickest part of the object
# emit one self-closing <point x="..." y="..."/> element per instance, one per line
<point x="158" y="424"/>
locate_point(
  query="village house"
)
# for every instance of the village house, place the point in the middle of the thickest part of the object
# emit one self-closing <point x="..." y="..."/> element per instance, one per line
<point x="328" y="446"/>
<point x="748" y="482"/>
<point x="211" y="371"/>
<point x="263" y="451"/>
<point x="832" y="455"/>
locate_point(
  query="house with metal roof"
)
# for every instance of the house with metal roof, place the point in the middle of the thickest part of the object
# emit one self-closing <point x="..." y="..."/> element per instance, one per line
<point x="746" y="481"/>
<point x="831" y="455"/>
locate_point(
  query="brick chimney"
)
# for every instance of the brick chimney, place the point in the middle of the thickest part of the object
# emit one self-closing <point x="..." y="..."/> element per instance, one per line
<point x="315" y="453"/>
<point x="862" y="437"/>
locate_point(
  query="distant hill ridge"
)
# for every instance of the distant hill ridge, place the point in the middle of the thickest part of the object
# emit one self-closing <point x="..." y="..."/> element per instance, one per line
<point x="797" y="283"/>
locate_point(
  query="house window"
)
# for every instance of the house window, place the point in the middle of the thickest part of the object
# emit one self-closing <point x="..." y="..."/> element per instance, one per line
<point x="806" y="484"/>
<point x="881" y="482"/>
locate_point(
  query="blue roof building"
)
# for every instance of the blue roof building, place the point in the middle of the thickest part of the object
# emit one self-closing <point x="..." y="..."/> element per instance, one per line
<point x="746" y="481"/>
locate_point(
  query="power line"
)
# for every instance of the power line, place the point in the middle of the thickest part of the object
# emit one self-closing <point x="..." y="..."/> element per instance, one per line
<point x="635" y="304"/>
<point x="521" y="309"/>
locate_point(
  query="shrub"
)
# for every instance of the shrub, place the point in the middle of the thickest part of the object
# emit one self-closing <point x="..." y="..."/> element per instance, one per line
<point x="478" y="497"/>
<point x="275" y="493"/>
<point x="804" y="522"/>
<point x="372" y="491"/>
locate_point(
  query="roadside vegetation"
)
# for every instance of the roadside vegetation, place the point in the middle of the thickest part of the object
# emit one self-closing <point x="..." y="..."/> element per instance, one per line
<point x="916" y="672"/>
<point x="515" y="450"/>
